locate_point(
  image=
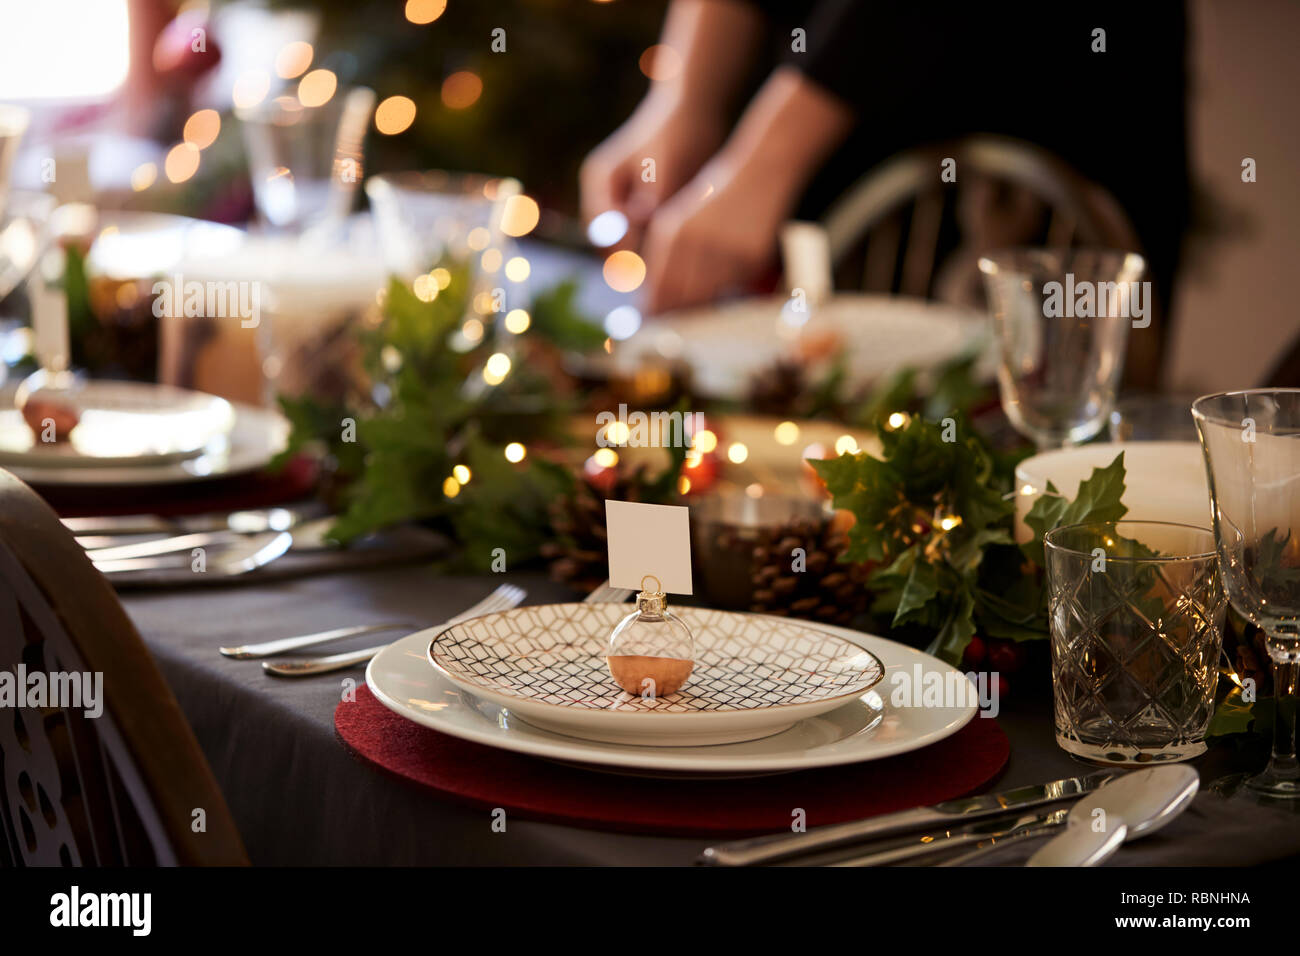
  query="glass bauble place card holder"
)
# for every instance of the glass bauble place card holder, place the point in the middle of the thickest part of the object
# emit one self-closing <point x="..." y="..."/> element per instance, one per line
<point x="651" y="652"/>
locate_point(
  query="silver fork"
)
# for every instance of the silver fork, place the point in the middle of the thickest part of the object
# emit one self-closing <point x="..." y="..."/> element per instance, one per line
<point x="502" y="599"/>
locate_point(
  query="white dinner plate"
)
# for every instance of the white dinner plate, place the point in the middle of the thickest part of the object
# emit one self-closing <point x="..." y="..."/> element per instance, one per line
<point x="256" y="436"/>
<point x="754" y="675"/>
<point x="727" y="345"/>
<point x="120" y="424"/>
<point x="869" y="727"/>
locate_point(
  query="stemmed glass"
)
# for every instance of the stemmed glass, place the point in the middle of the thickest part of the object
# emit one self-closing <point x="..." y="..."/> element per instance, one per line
<point x="1251" y="442"/>
<point x="1061" y="319"/>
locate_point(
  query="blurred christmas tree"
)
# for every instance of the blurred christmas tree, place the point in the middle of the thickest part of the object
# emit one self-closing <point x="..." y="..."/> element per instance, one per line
<point x="556" y="76"/>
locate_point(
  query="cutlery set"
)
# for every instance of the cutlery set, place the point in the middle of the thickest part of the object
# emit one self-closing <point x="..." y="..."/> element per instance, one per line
<point x="1108" y="810"/>
<point x="504" y="598"/>
<point x="234" y="543"/>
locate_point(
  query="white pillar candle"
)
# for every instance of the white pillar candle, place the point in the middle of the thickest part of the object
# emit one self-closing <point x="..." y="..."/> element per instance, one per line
<point x="1164" y="480"/>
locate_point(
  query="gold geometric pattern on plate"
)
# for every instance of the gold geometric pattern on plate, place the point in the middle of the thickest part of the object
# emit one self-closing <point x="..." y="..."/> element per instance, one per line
<point x="555" y="654"/>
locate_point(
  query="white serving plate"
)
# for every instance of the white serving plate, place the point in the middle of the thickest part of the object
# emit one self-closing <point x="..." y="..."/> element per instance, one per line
<point x="256" y="436"/>
<point x="1164" y="480"/>
<point x="121" y="423"/>
<point x="868" y="727"/>
<point x="755" y="675"/>
<point x="878" y="334"/>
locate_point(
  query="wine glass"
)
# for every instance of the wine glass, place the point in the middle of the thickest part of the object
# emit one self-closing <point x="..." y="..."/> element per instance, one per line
<point x="1251" y="442"/>
<point x="1061" y="319"/>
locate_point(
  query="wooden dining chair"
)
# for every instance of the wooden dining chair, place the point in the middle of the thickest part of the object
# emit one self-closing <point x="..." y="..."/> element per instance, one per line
<point x="902" y="229"/>
<point x="129" y="787"/>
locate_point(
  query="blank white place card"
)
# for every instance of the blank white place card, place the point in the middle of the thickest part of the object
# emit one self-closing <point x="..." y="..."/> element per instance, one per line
<point x="649" y="539"/>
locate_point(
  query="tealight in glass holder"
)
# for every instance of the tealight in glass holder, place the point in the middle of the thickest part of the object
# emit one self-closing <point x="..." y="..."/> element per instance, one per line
<point x="651" y="652"/>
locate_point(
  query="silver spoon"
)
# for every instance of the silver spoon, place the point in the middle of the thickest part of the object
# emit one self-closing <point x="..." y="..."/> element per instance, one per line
<point x="1134" y="805"/>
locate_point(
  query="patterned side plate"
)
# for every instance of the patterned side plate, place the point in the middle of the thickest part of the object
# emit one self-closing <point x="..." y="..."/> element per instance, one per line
<point x="754" y="675"/>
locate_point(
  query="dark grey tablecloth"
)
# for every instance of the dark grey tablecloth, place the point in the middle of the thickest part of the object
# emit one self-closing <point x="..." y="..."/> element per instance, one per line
<point x="299" y="797"/>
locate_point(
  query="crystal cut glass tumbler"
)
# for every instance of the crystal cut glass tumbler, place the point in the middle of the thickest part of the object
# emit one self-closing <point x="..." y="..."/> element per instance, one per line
<point x="1136" y="612"/>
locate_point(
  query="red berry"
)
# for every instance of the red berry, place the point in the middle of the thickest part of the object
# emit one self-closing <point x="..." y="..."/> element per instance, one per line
<point x="974" y="654"/>
<point x="1004" y="688"/>
<point x="1005" y="656"/>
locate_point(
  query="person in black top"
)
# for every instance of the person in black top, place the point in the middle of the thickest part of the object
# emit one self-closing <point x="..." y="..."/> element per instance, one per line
<point x="856" y="82"/>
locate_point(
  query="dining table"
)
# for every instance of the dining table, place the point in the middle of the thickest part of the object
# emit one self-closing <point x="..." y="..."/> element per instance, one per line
<point x="300" y="797"/>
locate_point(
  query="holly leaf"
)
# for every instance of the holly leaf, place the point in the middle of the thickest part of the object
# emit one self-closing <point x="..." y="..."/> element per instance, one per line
<point x="1235" y="716"/>
<point x="505" y="505"/>
<point x="957" y="630"/>
<point x="557" y="318"/>
<point x="1098" y="500"/>
<point x="920" y="588"/>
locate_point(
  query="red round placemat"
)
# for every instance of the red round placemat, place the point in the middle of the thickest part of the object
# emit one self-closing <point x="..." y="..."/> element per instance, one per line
<point x="542" y="790"/>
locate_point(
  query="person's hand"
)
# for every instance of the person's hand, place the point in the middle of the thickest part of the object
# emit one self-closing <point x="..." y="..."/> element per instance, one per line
<point x="615" y="175"/>
<point x="720" y="230"/>
<point x="717" y="234"/>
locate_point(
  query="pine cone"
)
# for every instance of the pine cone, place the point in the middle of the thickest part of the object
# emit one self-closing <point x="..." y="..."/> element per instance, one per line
<point x="793" y="570"/>
<point x="578" y="554"/>
<point x="778" y="389"/>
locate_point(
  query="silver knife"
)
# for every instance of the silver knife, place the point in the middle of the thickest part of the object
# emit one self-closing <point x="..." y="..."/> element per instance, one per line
<point x="984" y="833"/>
<point x="157" y="546"/>
<point x="254" y="552"/>
<point x="307" y="536"/>
<point x="950" y="813"/>
<point x="251" y="521"/>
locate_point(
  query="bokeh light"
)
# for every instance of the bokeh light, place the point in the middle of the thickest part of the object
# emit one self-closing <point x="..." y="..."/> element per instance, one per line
<point x="787" y="433"/>
<point x="516" y="452"/>
<point x="491" y="260"/>
<point x="738" y="452"/>
<point x="519" y="216"/>
<point x="395" y="115"/>
<point x="182" y="162"/>
<point x="624" y="271"/>
<point x="705" y="442"/>
<point x="293" y="59"/>
<point x="144" y="176"/>
<point x="606" y="457"/>
<point x="622" y="322"/>
<point x="517" y="321"/>
<point x="497" y="368"/>
<point x="251" y="88"/>
<point x="462" y="474"/>
<point x="451" y="487"/>
<point x="607" y="228"/>
<point x="316" y="88"/>
<point x="846" y="445"/>
<point x="421" y="12"/>
<point x="518" y="269"/>
<point x="461" y="90"/>
<point x="202" y="128"/>
<point x="425" y="289"/>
